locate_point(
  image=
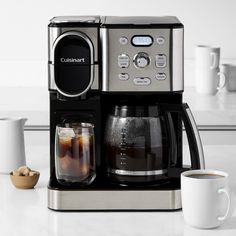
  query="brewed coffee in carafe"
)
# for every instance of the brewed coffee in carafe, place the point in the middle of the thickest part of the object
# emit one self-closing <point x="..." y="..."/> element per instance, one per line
<point x="137" y="145"/>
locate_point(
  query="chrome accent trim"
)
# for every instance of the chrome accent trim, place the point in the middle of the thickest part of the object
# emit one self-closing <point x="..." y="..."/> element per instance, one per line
<point x="178" y="59"/>
<point x="105" y="66"/>
<point x="51" y="81"/>
<point x="95" y="84"/>
<point x="198" y="139"/>
<point x="53" y="33"/>
<point x="91" y="56"/>
<point x="85" y="200"/>
<point x="137" y="173"/>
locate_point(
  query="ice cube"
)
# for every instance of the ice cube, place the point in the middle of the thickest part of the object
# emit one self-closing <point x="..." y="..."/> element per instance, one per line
<point x="66" y="133"/>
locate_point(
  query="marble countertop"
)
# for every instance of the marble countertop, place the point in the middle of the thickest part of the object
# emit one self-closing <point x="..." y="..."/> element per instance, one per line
<point x="25" y="212"/>
<point x="33" y="103"/>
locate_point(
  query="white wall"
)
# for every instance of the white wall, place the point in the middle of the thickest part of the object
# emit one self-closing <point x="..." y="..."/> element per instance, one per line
<point x="23" y="23"/>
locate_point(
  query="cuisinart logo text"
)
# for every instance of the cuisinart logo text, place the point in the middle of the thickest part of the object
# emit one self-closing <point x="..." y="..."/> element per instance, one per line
<point x="73" y="60"/>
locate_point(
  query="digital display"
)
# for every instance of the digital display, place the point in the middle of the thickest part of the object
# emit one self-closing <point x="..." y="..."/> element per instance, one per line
<point x="142" y="40"/>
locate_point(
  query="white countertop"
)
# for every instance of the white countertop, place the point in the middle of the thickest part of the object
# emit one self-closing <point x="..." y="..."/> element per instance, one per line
<point x="25" y="212"/>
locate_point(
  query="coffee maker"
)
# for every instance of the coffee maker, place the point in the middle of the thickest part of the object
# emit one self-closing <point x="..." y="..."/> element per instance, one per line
<point x="116" y="114"/>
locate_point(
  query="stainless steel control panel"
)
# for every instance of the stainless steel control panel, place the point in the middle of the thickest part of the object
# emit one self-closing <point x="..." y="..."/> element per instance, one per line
<point x="141" y="59"/>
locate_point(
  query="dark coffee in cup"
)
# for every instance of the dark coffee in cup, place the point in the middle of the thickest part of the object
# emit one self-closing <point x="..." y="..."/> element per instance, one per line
<point x="206" y="176"/>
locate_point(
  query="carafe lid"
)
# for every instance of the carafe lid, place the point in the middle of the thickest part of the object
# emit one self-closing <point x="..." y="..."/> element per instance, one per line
<point x="136" y="111"/>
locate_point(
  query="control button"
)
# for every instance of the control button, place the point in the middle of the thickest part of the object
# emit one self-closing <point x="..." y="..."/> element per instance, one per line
<point x="142" y="81"/>
<point x="160" y="40"/>
<point x="161" y="60"/>
<point x="141" y="60"/>
<point x="123" y="76"/>
<point x="160" y="76"/>
<point x="123" y="40"/>
<point x="123" y="60"/>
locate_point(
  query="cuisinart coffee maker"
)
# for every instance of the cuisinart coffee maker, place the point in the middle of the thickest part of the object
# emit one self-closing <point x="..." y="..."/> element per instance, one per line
<point x="116" y="113"/>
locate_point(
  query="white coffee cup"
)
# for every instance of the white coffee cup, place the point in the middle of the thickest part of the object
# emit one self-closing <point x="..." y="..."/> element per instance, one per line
<point x="205" y="198"/>
<point x="207" y="77"/>
<point x="228" y="71"/>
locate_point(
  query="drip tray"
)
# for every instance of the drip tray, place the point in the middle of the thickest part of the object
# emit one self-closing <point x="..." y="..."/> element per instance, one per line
<point x="119" y="199"/>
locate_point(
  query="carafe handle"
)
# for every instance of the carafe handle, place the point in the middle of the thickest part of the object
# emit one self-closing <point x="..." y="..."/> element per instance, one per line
<point x="195" y="144"/>
<point x="172" y="140"/>
<point x="194" y="140"/>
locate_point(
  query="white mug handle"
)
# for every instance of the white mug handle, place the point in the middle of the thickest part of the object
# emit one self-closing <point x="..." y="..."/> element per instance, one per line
<point x="220" y="191"/>
<point x="214" y="60"/>
<point x="223" y="78"/>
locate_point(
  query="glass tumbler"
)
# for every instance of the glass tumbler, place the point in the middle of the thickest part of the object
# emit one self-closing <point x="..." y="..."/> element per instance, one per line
<point x="75" y="153"/>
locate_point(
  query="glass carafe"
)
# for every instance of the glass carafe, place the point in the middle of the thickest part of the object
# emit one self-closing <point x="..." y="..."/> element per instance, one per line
<point x="139" y="141"/>
<point x="75" y="153"/>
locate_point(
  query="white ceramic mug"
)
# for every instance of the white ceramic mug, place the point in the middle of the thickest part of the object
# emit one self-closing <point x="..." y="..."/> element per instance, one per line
<point x="207" y="77"/>
<point x="205" y="198"/>
<point x="228" y="71"/>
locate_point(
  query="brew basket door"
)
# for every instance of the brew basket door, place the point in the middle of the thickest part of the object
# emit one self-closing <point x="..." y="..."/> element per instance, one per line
<point x="73" y="64"/>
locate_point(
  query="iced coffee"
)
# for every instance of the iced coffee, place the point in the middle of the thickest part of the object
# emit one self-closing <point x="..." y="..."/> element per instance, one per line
<point x="75" y="153"/>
